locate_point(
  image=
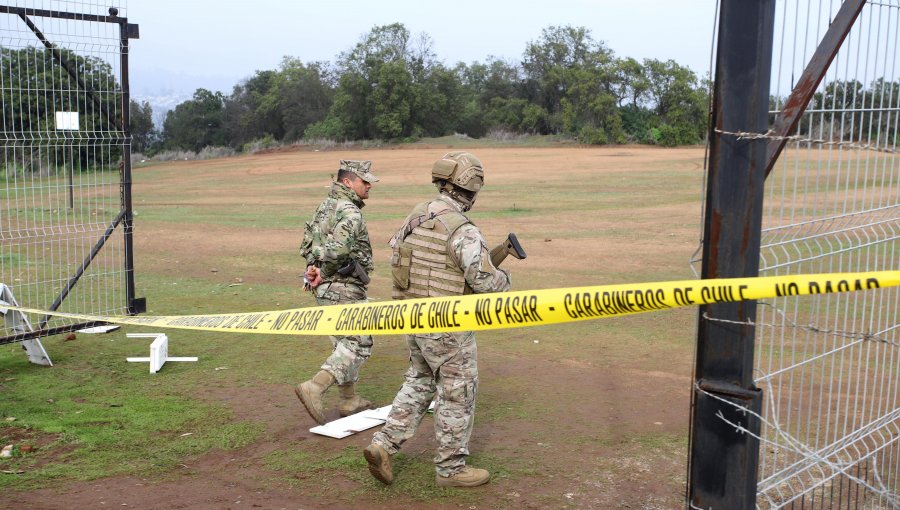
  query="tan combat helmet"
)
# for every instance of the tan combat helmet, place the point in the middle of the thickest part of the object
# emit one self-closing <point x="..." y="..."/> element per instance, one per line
<point x="460" y="175"/>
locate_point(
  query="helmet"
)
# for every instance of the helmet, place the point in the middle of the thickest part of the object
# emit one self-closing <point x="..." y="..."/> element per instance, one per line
<point x="460" y="175"/>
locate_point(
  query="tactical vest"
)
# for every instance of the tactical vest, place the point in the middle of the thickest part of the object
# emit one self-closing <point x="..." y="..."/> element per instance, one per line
<point x="420" y="263"/>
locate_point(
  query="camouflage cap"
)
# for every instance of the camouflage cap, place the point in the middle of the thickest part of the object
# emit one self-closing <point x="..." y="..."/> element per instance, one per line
<point x="362" y="169"/>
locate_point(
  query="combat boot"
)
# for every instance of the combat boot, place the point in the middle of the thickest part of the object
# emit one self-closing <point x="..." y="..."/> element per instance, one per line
<point x="466" y="477"/>
<point x="379" y="463"/>
<point x="311" y="393"/>
<point x="351" y="403"/>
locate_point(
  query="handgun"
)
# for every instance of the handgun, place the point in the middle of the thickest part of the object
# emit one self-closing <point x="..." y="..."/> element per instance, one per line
<point x="354" y="268"/>
<point x="510" y="246"/>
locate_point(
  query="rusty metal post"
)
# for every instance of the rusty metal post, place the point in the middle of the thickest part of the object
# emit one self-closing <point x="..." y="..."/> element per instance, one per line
<point x="127" y="31"/>
<point x="723" y="459"/>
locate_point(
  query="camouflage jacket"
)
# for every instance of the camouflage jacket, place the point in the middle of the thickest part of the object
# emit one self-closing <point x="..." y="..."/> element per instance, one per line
<point x="337" y="234"/>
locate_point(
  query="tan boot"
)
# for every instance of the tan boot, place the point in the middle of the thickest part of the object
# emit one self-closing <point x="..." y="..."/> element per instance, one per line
<point x="311" y="393"/>
<point x="351" y="403"/>
<point x="379" y="463"/>
<point x="467" y="477"/>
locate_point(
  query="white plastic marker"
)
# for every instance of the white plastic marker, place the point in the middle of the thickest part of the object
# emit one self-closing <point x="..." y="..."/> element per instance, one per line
<point x="159" y="351"/>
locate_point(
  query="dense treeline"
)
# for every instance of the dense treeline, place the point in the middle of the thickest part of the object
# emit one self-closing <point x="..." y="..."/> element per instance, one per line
<point x="391" y="86"/>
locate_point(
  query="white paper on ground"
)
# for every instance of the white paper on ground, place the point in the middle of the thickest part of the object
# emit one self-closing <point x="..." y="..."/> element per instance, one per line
<point x="354" y="423"/>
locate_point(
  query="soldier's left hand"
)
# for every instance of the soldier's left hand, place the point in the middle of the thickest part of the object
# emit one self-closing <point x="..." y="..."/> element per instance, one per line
<point x="313" y="277"/>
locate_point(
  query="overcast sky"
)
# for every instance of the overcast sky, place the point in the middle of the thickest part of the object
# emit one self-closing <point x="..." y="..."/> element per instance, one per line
<point x="186" y="44"/>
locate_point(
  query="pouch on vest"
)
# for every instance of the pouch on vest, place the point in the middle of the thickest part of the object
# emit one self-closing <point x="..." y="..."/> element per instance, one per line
<point x="400" y="263"/>
<point x="308" y="235"/>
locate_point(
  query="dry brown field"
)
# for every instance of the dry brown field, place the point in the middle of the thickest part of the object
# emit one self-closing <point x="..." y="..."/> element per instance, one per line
<point x="583" y="415"/>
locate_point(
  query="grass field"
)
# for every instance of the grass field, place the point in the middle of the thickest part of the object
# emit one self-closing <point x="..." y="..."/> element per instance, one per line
<point x="584" y="415"/>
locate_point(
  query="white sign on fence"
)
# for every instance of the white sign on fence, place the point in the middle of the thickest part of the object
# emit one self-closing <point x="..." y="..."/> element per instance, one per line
<point x="67" y="121"/>
<point x="159" y="351"/>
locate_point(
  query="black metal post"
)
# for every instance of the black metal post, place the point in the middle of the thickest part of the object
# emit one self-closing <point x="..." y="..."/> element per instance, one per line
<point x="127" y="31"/>
<point x="723" y="458"/>
<point x="40" y="333"/>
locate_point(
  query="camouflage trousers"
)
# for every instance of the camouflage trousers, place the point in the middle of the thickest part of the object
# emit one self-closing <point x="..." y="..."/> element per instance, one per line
<point x="350" y="352"/>
<point x="445" y="364"/>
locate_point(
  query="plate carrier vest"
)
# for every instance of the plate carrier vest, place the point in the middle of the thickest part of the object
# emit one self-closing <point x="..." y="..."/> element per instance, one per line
<point x="420" y="263"/>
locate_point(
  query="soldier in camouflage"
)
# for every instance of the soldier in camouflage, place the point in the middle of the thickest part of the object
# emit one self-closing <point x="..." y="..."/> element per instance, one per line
<point x="439" y="252"/>
<point x="338" y="260"/>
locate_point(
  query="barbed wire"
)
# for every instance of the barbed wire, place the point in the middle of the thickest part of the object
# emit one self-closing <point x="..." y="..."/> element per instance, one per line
<point x="788" y="323"/>
<point x="833" y="457"/>
<point x="770" y="135"/>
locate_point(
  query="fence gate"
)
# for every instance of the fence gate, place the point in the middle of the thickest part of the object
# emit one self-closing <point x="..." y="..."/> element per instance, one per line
<point x="796" y="400"/>
<point x="65" y="197"/>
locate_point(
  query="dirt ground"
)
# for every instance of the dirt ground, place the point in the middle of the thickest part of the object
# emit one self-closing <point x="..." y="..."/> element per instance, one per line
<point x="632" y="399"/>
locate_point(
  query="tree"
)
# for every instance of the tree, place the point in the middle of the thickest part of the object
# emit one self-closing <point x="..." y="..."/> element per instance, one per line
<point x="196" y="123"/>
<point x="679" y="102"/>
<point x="484" y="87"/>
<point x="391" y="86"/>
<point x="278" y="104"/>
<point x="304" y="94"/>
<point x="438" y="102"/>
<point x="364" y="85"/>
<point x="632" y="84"/>
<point x="251" y="111"/>
<point x="572" y="77"/>
<point x="390" y="101"/>
<point x="842" y="103"/>
<point x="884" y="94"/>
<point x="143" y="135"/>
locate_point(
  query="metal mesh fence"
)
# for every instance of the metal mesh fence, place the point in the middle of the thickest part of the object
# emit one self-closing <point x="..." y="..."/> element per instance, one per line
<point x="63" y="158"/>
<point x="829" y="365"/>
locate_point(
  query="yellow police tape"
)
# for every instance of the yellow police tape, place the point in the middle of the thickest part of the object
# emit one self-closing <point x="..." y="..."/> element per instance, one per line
<point x="505" y="309"/>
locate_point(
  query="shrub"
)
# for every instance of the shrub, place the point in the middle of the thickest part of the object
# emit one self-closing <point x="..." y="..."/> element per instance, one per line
<point x="668" y="136"/>
<point x="259" y="144"/>
<point x="329" y="128"/>
<point x="206" y="153"/>
<point x="209" y="152"/>
<point x="322" y="143"/>
<point x="503" y="135"/>
<point x="592" y="135"/>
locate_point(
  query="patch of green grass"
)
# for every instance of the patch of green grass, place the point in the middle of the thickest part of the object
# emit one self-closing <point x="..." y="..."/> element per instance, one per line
<point x="660" y="442"/>
<point x="108" y="418"/>
<point x="503" y="213"/>
<point x="13" y="259"/>
<point x="513" y="406"/>
<point x="234" y="216"/>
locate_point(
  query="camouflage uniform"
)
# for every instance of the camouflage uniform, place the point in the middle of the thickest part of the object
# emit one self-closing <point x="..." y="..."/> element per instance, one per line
<point x="445" y="364"/>
<point x="337" y="235"/>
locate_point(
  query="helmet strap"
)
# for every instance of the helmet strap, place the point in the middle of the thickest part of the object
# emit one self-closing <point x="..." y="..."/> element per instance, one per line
<point x="464" y="197"/>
